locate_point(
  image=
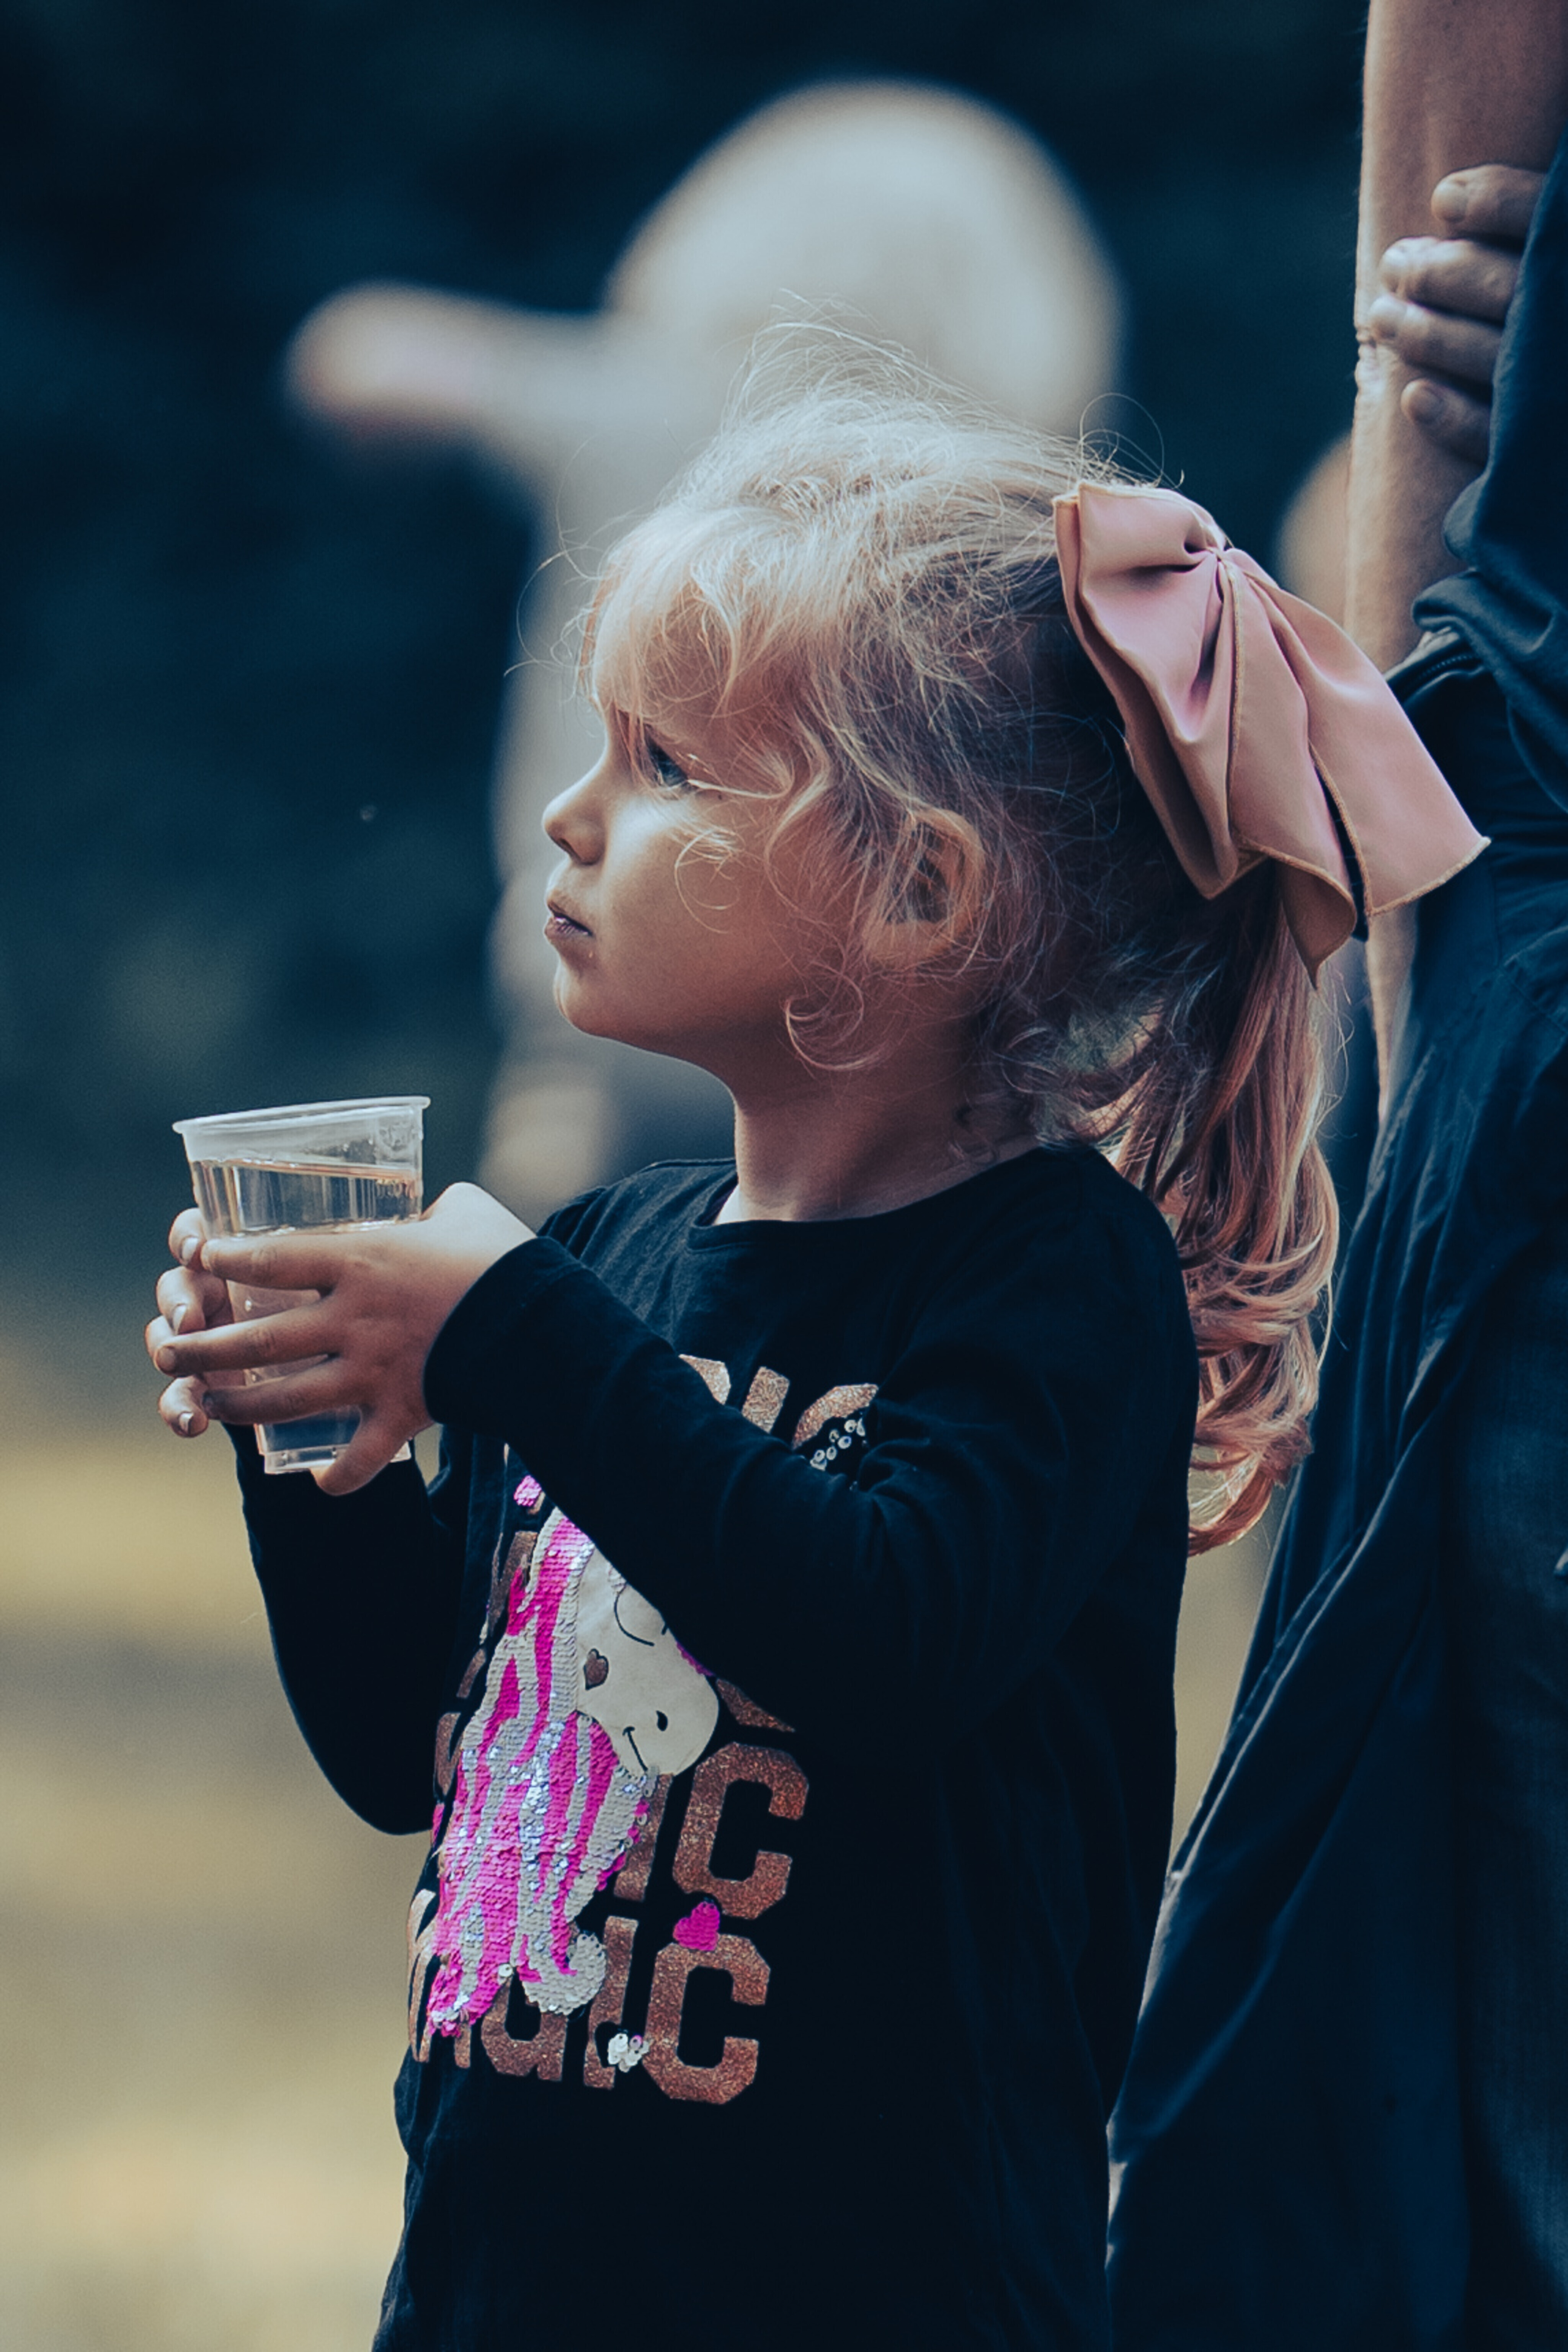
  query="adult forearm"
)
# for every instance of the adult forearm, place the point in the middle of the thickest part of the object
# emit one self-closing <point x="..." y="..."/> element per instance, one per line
<point x="1450" y="83"/>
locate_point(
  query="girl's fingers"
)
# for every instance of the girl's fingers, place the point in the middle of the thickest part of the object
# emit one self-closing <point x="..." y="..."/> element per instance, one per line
<point x="1464" y="348"/>
<point x="1457" y="420"/>
<point x="282" y="1261"/>
<point x="286" y="1338"/>
<point x="186" y="1235"/>
<point x="184" y="1408"/>
<point x="365" y="1455"/>
<point x="1452" y="274"/>
<point x="297" y="1397"/>
<point x="1489" y="200"/>
<point x="189" y="1301"/>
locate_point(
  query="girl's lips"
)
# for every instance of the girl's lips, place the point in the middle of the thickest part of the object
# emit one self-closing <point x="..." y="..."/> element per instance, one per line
<point x="562" y="929"/>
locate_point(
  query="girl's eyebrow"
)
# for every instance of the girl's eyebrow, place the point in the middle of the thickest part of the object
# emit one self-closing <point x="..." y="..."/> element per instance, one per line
<point x="637" y="731"/>
<point x="691" y="767"/>
<point x="671" y="748"/>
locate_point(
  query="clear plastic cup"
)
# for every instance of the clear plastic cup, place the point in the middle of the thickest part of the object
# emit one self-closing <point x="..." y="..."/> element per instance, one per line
<point x="316" y="1165"/>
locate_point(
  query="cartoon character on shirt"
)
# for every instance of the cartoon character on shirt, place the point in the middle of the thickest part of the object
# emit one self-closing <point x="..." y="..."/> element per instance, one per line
<point x="588" y="1698"/>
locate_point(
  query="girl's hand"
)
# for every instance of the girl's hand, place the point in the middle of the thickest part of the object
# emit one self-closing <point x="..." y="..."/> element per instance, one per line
<point x="1445" y="299"/>
<point x="188" y="1301"/>
<point x="386" y="1291"/>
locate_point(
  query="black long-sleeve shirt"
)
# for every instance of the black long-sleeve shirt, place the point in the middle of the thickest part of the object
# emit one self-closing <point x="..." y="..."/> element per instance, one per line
<point x="793" y="1878"/>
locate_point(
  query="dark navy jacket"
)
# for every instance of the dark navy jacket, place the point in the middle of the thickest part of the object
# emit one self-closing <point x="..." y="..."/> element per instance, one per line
<point x="1287" y="2148"/>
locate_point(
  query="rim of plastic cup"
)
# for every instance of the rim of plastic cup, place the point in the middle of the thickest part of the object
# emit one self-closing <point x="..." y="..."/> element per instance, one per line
<point x="297" y="1114"/>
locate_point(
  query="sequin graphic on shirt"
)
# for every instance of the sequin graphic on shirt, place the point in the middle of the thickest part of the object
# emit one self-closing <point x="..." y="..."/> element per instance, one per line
<point x="579" y="1718"/>
<point x="588" y="1698"/>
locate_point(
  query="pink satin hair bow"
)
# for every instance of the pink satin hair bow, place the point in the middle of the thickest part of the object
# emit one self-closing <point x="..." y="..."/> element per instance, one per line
<point x="1252" y="720"/>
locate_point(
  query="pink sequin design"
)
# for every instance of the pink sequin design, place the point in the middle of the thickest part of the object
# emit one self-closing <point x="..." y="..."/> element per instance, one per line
<point x="542" y="1811"/>
<point x="698" y="1931"/>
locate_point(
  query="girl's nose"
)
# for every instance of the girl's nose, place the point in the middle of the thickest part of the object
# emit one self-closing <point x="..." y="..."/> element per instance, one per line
<point x="573" y="822"/>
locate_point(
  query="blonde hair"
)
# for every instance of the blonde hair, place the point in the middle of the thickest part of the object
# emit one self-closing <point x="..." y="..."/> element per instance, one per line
<point x="860" y="574"/>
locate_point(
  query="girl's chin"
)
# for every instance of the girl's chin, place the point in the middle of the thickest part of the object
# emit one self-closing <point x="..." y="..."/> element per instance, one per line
<point x="576" y="1005"/>
<point x="596" y="1021"/>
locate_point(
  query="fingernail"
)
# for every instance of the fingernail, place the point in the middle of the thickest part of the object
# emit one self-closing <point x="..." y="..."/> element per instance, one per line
<point x="164" y="1359"/>
<point x="191" y="1248"/>
<point x="1451" y="198"/>
<point x="187" y="1423"/>
<point x="1423" y="402"/>
<point x="1402" y="255"/>
<point x="177" y="1320"/>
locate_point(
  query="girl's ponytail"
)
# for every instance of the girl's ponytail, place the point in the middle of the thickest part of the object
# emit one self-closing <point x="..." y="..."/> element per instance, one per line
<point x="1290" y="785"/>
<point x="1219" y="1133"/>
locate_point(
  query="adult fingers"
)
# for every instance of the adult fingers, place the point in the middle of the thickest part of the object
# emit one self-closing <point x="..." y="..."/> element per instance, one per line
<point x="1455" y="274"/>
<point x="1430" y="339"/>
<point x="1455" y="419"/>
<point x="286" y="1338"/>
<point x="1489" y="200"/>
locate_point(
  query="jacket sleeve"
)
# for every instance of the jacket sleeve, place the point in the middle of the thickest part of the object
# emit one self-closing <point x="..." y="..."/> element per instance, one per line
<point x="362" y="1595"/>
<point x="1028" y="1426"/>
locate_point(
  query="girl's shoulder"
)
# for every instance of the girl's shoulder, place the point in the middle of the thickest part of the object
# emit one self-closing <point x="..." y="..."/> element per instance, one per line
<point x="1056" y="1267"/>
<point x="1054" y="1230"/>
<point x="1057" y="1223"/>
<point x="1054" y="1196"/>
<point x="664" y="1190"/>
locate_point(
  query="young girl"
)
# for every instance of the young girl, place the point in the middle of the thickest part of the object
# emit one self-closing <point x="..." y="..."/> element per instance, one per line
<point x="792" y="1624"/>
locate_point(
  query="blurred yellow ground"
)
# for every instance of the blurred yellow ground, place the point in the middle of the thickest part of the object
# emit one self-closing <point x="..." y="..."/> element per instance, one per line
<point x="200" y="1948"/>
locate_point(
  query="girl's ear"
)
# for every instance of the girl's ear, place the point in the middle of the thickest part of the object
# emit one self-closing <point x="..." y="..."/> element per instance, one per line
<point x="933" y="903"/>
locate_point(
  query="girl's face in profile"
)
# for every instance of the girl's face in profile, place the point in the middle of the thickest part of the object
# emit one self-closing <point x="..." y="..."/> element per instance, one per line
<point x="671" y="932"/>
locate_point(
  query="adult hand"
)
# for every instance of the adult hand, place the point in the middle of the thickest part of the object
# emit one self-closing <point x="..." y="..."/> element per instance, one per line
<point x="1446" y="298"/>
<point x="384" y="1293"/>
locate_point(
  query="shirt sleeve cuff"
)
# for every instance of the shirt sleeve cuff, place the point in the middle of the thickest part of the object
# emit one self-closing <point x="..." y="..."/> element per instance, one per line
<point x="470" y="1372"/>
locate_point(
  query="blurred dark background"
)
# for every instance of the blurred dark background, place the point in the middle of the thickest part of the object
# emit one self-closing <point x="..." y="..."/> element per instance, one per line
<point x="250" y="684"/>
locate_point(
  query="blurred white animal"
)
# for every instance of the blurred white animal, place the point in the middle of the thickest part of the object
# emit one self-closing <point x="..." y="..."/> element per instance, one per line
<point x="937" y="225"/>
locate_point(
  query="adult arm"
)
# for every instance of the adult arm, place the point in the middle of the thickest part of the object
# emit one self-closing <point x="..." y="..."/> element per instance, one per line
<point x="1447" y="82"/>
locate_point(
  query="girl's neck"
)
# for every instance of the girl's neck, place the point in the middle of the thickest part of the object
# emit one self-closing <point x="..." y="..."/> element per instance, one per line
<point x="813" y="1146"/>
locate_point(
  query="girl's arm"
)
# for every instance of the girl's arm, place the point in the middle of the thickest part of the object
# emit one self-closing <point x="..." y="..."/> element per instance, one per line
<point x="1034" y="1428"/>
<point x="361" y="1596"/>
<point x="1446" y="85"/>
<point x="361" y="1593"/>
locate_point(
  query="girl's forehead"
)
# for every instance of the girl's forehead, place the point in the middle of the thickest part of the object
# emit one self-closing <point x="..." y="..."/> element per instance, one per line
<point x="668" y="660"/>
<point x="650" y="664"/>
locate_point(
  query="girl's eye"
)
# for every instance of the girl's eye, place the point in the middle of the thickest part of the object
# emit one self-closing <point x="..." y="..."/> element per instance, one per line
<point x="667" y="770"/>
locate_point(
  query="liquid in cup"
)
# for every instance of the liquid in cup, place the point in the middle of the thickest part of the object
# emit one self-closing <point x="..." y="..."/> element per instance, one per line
<point x="318" y="1166"/>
